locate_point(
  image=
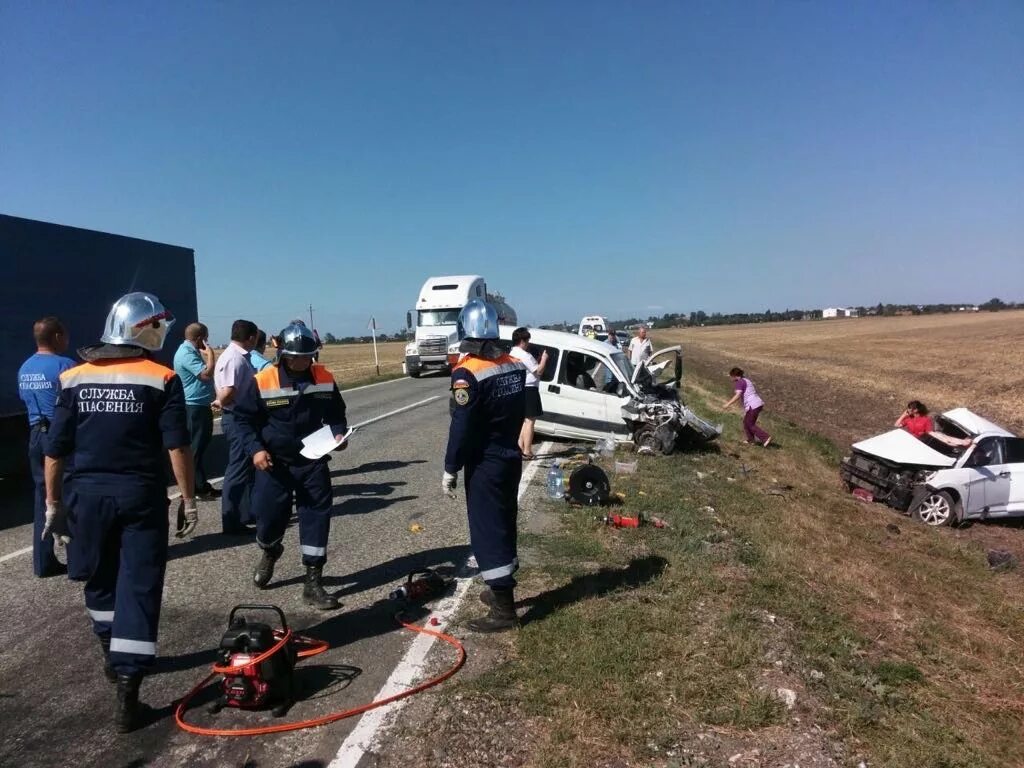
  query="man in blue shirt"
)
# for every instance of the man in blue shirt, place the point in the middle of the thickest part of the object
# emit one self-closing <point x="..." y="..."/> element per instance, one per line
<point x="193" y="362"/>
<point x="259" y="362"/>
<point x="38" y="386"/>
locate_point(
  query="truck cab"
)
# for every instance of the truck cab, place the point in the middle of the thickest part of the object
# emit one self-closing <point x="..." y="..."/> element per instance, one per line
<point x="435" y="319"/>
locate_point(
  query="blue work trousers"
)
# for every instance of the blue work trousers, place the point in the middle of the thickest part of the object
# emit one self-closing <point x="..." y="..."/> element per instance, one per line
<point x="310" y="487"/>
<point x="235" y="502"/>
<point x="492" y="500"/>
<point x="119" y="549"/>
<point x="44" y="562"/>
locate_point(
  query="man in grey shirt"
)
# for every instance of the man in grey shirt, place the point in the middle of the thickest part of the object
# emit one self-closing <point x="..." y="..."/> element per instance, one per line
<point x="232" y="373"/>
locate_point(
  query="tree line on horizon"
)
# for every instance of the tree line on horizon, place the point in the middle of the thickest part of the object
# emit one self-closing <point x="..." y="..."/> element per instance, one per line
<point x="702" y="318"/>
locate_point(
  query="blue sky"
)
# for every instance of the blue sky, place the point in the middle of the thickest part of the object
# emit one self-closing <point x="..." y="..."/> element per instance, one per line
<point x="583" y="156"/>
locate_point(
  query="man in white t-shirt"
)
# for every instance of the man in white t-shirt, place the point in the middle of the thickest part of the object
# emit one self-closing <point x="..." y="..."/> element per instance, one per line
<point x="534" y="369"/>
<point x="640" y="346"/>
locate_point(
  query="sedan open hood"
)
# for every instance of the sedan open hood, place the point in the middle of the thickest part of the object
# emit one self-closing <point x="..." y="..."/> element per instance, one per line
<point x="901" y="447"/>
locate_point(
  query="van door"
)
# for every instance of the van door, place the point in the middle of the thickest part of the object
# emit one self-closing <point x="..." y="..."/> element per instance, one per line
<point x="546" y="423"/>
<point x="582" y="402"/>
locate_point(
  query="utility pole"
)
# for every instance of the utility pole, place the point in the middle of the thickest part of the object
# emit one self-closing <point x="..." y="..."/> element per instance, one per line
<point x="311" y="326"/>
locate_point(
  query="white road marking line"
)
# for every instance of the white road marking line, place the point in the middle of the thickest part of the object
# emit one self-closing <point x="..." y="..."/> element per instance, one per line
<point x="372" y="725"/>
<point x="24" y="551"/>
<point x="374" y="420"/>
<point x="397" y="411"/>
<point x="355" y="389"/>
<point x="377" y="384"/>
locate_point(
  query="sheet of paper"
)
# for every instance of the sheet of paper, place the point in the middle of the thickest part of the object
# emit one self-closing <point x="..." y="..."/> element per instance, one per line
<point x="322" y="442"/>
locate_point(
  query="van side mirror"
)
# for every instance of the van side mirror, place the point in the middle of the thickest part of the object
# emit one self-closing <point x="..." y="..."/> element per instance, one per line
<point x="408" y="319"/>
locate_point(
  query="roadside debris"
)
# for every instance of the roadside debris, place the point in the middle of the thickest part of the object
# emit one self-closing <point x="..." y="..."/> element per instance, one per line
<point x="589" y="486"/>
<point x="415" y="528"/>
<point x="893" y="529"/>
<point x="786" y="696"/>
<point x="625" y="521"/>
<point x="1001" y="560"/>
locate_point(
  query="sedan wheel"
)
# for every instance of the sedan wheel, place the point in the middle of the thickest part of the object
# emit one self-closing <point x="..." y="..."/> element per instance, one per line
<point x="936" y="509"/>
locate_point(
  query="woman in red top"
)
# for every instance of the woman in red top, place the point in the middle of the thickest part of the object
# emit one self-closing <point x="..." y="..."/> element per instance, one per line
<point x="916" y="419"/>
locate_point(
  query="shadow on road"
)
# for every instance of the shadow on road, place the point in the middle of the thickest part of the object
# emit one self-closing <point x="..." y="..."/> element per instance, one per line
<point x="637" y="573"/>
<point x="445" y="560"/>
<point x="208" y="542"/>
<point x="375" y="466"/>
<point x="385" y="488"/>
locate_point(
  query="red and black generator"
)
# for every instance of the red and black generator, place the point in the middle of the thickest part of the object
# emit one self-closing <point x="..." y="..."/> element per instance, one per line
<point x="257" y="662"/>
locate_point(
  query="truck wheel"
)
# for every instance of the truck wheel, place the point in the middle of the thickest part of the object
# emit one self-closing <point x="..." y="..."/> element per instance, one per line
<point x="937" y="509"/>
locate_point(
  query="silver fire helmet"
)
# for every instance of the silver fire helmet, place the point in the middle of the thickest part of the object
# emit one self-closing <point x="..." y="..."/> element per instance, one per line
<point x="478" y="320"/>
<point x="296" y="339"/>
<point x="138" y="319"/>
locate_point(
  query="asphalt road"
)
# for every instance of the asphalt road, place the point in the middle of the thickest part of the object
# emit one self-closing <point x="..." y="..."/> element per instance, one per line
<point x="55" y="705"/>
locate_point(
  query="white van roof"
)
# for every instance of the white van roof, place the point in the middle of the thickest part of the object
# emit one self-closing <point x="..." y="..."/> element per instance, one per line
<point x="562" y="340"/>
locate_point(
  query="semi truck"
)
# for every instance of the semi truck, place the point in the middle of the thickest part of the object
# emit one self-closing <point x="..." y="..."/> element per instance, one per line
<point x="77" y="275"/>
<point x="436" y="317"/>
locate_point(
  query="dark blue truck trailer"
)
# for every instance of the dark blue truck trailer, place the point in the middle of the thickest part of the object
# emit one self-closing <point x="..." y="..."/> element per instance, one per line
<point x="75" y="274"/>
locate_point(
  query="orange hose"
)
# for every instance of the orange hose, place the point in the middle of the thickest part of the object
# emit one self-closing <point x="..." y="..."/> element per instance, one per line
<point x="313" y="647"/>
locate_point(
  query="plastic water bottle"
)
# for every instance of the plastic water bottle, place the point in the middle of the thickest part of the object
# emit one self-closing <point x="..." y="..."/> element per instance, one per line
<point x="606" y="446"/>
<point x="556" y="482"/>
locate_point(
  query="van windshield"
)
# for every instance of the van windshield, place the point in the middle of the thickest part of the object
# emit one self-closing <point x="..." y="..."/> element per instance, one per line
<point x="624" y="365"/>
<point x="437" y="317"/>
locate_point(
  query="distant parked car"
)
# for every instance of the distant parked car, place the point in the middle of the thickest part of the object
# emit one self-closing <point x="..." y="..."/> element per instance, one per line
<point x="624" y="338"/>
<point x="939" y="484"/>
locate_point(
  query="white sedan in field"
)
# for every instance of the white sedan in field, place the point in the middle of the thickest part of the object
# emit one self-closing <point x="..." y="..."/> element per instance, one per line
<point x="937" y="483"/>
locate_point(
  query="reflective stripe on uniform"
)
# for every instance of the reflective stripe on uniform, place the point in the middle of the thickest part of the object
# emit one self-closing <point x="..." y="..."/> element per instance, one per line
<point x="501" y="570"/>
<point x="313" y="551"/>
<point x="318" y="388"/>
<point x="268" y="394"/>
<point x="499" y="369"/>
<point x="81" y="377"/>
<point x="100" y="615"/>
<point x="268" y="381"/>
<point x="138" y="647"/>
<point x="482" y="368"/>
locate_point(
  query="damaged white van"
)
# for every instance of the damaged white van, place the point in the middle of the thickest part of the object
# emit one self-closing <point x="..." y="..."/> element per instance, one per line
<point x="589" y="389"/>
<point x="937" y="483"/>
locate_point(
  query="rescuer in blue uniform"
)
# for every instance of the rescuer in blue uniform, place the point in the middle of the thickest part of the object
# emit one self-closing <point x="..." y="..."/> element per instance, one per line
<point x="489" y="395"/>
<point x="291" y="400"/>
<point x="119" y="411"/>
<point x="38" y="385"/>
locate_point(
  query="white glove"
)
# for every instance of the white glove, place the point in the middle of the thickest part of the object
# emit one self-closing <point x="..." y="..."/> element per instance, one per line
<point x="448" y="483"/>
<point x="188" y="517"/>
<point x="56" y="523"/>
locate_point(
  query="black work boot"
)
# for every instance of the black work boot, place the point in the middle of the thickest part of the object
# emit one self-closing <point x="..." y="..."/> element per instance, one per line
<point x="502" y="615"/>
<point x="487" y="597"/>
<point x="264" y="570"/>
<point x="108" y="671"/>
<point x="130" y="713"/>
<point x="313" y="592"/>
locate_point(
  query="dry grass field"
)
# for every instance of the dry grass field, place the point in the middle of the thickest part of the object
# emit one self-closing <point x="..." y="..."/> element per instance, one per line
<point x="850" y="378"/>
<point x="352" y="364"/>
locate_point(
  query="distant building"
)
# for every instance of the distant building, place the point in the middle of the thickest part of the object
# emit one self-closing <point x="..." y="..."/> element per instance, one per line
<point x="833" y="312"/>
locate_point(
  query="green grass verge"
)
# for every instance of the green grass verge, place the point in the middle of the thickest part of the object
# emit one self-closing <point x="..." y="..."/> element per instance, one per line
<point x="902" y="647"/>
